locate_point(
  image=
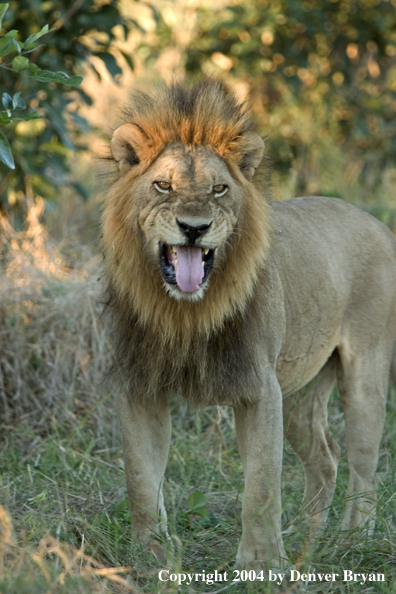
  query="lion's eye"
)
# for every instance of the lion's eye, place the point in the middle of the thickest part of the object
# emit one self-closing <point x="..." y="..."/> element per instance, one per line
<point x="220" y="189"/>
<point x="163" y="186"/>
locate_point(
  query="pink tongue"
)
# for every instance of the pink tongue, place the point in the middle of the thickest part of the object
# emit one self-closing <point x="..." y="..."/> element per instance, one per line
<point x="189" y="271"/>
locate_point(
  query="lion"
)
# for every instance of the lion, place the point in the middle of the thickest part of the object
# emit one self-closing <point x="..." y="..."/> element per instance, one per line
<point x="222" y="297"/>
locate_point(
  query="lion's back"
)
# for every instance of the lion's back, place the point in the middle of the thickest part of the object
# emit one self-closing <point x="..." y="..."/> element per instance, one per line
<point x="317" y="230"/>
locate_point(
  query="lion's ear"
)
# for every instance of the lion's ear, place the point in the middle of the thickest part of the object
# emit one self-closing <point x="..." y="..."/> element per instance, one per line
<point x="128" y="145"/>
<point x="252" y="149"/>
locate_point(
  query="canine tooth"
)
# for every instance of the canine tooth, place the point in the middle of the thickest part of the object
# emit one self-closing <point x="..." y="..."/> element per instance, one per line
<point x="205" y="251"/>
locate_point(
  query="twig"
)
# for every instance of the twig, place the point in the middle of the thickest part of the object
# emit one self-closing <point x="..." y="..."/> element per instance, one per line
<point x="68" y="14"/>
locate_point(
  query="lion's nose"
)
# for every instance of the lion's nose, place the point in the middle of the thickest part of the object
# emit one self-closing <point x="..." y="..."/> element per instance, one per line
<point x="191" y="231"/>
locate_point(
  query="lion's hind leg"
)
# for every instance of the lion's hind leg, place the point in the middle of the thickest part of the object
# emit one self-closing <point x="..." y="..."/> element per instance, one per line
<point x="393" y="365"/>
<point x="307" y="430"/>
<point x="363" y="385"/>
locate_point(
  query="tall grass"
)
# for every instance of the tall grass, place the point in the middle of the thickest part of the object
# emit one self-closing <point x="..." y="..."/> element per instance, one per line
<point x="64" y="520"/>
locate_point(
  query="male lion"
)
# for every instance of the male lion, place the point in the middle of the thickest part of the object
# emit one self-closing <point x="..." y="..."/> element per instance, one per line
<point x="224" y="298"/>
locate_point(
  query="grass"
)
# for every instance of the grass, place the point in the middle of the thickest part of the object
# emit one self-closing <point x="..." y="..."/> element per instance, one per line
<point x="67" y="481"/>
<point x="64" y="520"/>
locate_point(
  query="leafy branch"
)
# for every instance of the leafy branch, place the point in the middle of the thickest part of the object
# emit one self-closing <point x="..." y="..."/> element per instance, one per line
<point x="22" y="64"/>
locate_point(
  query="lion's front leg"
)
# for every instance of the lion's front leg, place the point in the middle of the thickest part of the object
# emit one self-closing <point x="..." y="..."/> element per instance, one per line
<point x="260" y="440"/>
<point x="146" y="433"/>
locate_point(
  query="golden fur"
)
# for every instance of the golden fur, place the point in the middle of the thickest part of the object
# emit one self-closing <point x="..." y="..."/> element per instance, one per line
<point x="301" y="294"/>
<point x="170" y="344"/>
<point x="216" y="120"/>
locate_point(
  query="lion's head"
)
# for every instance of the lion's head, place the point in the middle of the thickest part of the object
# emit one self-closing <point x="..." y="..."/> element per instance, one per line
<point x="185" y="224"/>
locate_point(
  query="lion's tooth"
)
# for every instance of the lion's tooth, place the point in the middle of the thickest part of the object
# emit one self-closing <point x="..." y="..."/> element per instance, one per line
<point x="205" y="251"/>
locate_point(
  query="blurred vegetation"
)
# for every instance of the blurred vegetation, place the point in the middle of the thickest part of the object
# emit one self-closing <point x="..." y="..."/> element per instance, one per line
<point x="321" y="75"/>
<point x="41" y="148"/>
<point x="320" y="67"/>
<point x="12" y="105"/>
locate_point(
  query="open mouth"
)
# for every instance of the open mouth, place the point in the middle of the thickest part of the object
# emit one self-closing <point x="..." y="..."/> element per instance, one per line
<point x="186" y="266"/>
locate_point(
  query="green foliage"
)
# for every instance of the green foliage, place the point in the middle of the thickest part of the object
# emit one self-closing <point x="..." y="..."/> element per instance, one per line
<point x="61" y="468"/>
<point x="74" y="32"/>
<point x="8" y="45"/>
<point x="322" y="75"/>
<point x="197" y="504"/>
<point x="5" y="152"/>
<point x="320" y="68"/>
<point x="69" y="482"/>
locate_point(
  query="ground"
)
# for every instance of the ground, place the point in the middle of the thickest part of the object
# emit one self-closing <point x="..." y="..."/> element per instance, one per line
<point x="64" y="524"/>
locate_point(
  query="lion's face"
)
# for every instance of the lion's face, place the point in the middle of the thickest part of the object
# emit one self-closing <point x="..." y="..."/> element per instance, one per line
<point x="189" y="210"/>
<point x="184" y="216"/>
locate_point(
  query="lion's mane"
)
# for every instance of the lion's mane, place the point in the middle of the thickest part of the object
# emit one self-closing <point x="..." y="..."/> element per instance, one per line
<point x="203" y="349"/>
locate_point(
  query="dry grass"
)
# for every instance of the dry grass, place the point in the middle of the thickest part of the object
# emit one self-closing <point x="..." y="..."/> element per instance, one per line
<point x="61" y="471"/>
<point x="60" y="564"/>
<point x="53" y="360"/>
<point x="53" y="350"/>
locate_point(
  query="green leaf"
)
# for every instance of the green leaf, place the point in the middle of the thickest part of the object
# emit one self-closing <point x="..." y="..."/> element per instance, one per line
<point x="5" y="152"/>
<point x="41" y="497"/>
<point x="7" y="118"/>
<point x="32" y="48"/>
<point x="4" y="118"/>
<point x="30" y="41"/>
<point x="34" y="68"/>
<point x="17" y="101"/>
<point x="8" y="45"/>
<point x="196" y="501"/>
<point x="6" y="100"/>
<point x="80" y="121"/>
<point x="13" y="33"/>
<point x="202" y="512"/>
<point x="128" y="60"/>
<point x="26" y="117"/>
<point x="110" y="63"/>
<point x="20" y="63"/>
<point x="3" y="9"/>
<point x="57" y="77"/>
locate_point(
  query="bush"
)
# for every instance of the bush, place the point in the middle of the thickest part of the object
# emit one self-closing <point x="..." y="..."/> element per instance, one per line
<point x="31" y="74"/>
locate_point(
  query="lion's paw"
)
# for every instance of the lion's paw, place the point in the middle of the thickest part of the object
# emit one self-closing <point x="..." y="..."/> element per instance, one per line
<point x="159" y="551"/>
<point x="260" y="560"/>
